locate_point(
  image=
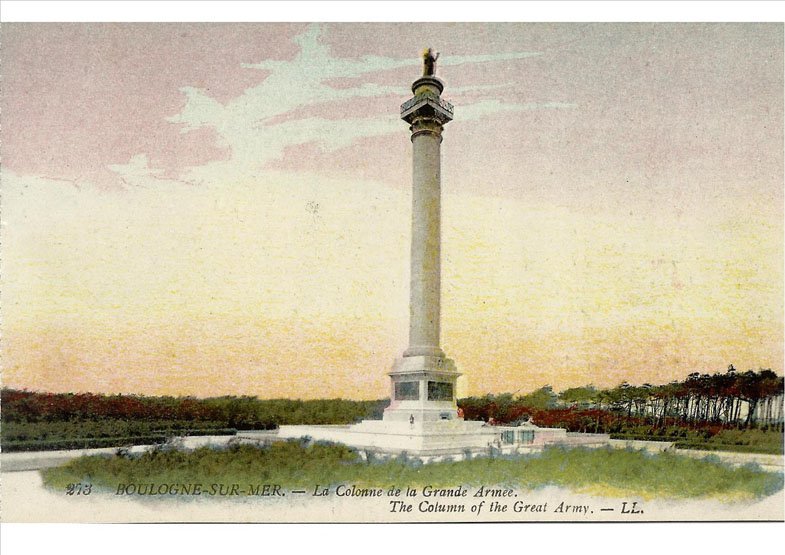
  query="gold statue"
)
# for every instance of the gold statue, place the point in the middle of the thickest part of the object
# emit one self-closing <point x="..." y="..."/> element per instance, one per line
<point x="429" y="58"/>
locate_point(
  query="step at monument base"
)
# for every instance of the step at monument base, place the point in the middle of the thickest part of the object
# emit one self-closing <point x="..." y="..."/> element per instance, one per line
<point x="441" y="437"/>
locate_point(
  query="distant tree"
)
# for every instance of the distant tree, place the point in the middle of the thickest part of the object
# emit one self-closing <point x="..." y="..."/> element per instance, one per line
<point x="542" y="398"/>
<point x="584" y="395"/>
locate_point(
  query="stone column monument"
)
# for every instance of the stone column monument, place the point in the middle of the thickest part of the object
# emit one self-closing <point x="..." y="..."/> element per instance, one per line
<point x="423" y="379"/>
<point x="422" y="418"/>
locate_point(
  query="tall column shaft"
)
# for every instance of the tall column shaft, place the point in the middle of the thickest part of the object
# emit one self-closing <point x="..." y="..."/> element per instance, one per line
<point x="424" y="379"/>
<point x="424" y="306"/>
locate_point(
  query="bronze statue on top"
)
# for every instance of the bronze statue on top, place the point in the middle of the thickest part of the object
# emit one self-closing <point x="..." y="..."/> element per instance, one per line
<point x="429" y="62"/>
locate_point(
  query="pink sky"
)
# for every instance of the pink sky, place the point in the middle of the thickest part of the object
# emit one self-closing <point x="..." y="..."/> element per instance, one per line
<point x="588" y="165"/>
<point x="654" y="101"/>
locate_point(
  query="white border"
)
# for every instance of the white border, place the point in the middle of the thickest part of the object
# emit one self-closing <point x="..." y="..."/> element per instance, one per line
<point x="428" y="11"/>
<point x="641" y="539"/>
<point x="392" y="539"/>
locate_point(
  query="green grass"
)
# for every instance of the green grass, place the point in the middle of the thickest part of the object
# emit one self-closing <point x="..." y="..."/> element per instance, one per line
<point x="756" y="440"/>
<point x="601" y="471"/>
<point x="740" y="441"/>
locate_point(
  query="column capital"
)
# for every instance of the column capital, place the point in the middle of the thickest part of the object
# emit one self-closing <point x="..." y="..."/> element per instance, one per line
<point x="424" y="125"/>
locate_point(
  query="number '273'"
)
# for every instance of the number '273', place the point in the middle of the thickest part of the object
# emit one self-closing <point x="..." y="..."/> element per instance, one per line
<point x="78" y="489"/>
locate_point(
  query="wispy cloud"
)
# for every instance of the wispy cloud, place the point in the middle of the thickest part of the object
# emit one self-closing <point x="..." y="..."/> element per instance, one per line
<point x="138" y="173"/>
<point x="249" y="124"/>
<point x="493" y="106"/>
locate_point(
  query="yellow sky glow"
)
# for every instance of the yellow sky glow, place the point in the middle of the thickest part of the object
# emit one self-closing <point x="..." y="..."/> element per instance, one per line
<point x="286" y="287"/>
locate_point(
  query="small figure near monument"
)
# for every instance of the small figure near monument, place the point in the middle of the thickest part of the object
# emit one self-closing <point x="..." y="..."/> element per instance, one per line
<point x="429" y="58"/>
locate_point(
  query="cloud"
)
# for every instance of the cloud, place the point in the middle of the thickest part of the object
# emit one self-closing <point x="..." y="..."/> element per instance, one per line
<point x="138" y="173"/>
<point x="458" y="60"/>
<point x="251" y="125"/>
<point x="487" y="107"/>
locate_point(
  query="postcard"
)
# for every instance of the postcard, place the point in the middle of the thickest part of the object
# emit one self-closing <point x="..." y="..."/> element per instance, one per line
<point x="392" y="272"/>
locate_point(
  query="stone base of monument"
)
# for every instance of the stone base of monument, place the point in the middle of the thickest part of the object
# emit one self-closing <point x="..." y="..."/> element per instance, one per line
<point x="423" y="438"/>
<point x="441" y="439"/>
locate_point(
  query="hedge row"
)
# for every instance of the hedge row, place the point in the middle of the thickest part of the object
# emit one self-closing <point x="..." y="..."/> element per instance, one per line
<point x="98" y="442"/>
<point x="108" y="428"/>
<point x="632" y="437"/>
<point x="714" y="446"/>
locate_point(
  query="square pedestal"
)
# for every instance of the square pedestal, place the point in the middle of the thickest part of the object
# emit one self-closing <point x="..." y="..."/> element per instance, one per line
<point x="422" y="390"/>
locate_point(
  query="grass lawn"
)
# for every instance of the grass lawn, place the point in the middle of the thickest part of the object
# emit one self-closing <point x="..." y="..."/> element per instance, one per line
<point x="608" y="472"/>
<point x="743" y="441"/>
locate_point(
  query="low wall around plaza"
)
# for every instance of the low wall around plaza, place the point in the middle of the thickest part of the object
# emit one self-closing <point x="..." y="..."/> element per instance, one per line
<point x="640" y="445"/>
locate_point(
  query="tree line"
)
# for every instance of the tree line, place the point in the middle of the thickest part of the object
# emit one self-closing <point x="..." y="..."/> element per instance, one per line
<point x="729" y="399"/>
<point x="700" y="406"/>
<point x="732" y="398"/>
<point x="20" y="406"/>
